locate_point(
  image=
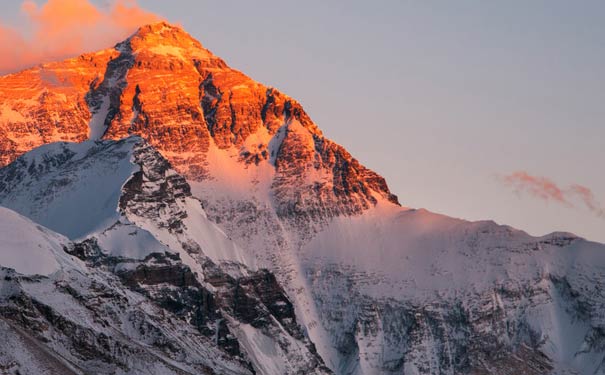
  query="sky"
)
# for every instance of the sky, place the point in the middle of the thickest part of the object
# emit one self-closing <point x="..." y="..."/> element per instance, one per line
<point x="474" y="109"/>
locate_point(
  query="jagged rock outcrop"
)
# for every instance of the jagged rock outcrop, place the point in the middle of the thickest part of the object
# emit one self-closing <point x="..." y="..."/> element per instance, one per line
<point x="162" y="85"/>
<point x="48" y="103"/>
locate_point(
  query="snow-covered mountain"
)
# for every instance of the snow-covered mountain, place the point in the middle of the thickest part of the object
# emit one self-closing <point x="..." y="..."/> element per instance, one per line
<point x="203" y="224"/>
<point x="151" y="281"/>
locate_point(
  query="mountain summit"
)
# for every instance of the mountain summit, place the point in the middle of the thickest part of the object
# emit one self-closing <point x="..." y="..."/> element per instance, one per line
<point x="163" y="85"/>
<point x="192" y="220"/>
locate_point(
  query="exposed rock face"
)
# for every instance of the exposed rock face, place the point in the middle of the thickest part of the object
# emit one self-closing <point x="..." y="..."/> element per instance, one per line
<point x="48" y="103"/>
<point x="153" y="191"/>
<point x="163" y="85"/>
<point x="495" y="332"/>
<point x="110" y="329"/>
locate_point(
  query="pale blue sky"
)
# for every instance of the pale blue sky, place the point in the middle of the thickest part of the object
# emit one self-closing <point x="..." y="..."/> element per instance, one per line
<point x="439" y="97"/>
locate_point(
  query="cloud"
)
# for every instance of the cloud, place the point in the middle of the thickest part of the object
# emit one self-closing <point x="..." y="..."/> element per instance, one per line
<point x="540" y="187"/>
<point x="546" y="189"/>
<point x="588" y="198"/>
<point x="59" y="29"/>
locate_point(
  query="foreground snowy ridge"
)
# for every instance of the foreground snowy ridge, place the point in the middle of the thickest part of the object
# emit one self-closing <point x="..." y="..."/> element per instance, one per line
<point x="153" y="253"/>
<point x="210" y="227"/>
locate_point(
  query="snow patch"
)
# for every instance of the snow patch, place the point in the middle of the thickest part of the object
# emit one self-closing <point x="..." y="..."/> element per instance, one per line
<point x="214" y="242"/>
<point x="129" y="241"/>
<point x="26" y="247"/>
<point x="263" y="350"/>
<point x="78" y="192"/>
<point x="166" y="50"/>
<point x="9" y="115"/>
<point x="97" y="126"/>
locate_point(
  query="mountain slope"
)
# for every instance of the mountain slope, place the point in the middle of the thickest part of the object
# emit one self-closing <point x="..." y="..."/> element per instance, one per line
<point x="415" y="292"/>
<point x="164" y="262"/>
<point x="23" y="241"/>
<point x="251" y="153"/>
<point x="83" y="319"/>
<point x="130" y="90"/>
<point x="306" y="252"/>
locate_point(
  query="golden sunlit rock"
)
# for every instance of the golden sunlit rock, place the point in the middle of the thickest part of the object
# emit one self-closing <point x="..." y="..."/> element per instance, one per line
<point x="165" y="86"/>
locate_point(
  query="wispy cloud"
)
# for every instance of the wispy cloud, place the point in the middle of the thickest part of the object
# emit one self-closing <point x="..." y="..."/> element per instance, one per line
<point x="62" y="28"/>
<point x="588" y="198"/>
<point x="546" y="189"/>
<point x="540" y="187"/>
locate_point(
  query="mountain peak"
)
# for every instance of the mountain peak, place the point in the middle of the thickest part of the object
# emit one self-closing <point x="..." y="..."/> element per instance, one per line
<point x="164" y="86"/>
<point x="158" y="27"/>
<point x="163" y="38"/>
<point x="162" y="30"/>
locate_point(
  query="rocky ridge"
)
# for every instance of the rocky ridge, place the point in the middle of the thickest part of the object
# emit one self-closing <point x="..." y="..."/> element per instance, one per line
<point x="162" y="85"/>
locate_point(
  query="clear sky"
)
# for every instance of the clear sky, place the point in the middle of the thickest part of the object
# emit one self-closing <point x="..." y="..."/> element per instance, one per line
<point x="446" y="99"/>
